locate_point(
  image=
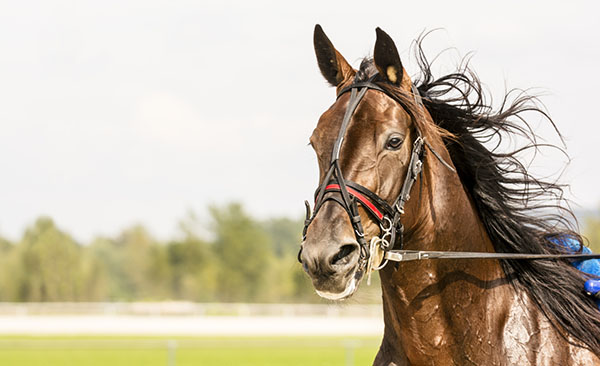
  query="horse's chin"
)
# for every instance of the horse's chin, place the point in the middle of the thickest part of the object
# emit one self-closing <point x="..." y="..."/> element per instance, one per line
<point x="351" y="287"/>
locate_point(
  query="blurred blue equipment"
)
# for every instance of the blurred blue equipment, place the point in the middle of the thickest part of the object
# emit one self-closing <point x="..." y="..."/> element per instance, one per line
<point x="592" y="287"/>
<point x="590" y="266"/>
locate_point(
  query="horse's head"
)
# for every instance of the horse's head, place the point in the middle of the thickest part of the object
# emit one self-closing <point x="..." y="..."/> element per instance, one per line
<point x="364" y="143"/>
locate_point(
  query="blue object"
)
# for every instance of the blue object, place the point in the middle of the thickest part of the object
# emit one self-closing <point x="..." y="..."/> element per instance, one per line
<point x="592" y="287"/>
<point x="590" y="266"/>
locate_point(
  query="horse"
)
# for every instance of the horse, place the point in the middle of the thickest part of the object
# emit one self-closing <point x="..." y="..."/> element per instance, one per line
<point x="408" y="165"/>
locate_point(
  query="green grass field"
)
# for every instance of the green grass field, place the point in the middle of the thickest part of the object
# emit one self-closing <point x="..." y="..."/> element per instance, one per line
<point x="187" y="351"/>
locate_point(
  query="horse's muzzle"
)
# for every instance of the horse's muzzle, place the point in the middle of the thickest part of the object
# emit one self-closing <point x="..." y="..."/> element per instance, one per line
<point x="332" y="267"/>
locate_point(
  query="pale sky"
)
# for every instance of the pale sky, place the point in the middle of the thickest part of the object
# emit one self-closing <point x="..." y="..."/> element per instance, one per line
<point x="122" y="112"/>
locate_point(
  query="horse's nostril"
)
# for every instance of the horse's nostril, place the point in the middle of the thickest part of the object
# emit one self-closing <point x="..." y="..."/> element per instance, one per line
<point x="344" y="254"/>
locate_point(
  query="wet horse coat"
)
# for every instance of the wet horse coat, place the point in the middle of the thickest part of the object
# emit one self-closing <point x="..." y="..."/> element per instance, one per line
<point x="483" y="312"/>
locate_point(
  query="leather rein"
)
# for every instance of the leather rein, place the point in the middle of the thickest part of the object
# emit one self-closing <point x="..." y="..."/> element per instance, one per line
<point x="348" y="194"/>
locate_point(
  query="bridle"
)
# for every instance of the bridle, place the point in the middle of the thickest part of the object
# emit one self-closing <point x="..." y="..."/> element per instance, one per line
<point x="348" y="194"/>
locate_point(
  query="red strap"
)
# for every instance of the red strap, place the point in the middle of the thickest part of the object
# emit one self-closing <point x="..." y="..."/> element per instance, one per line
<point x="363" y="200"/>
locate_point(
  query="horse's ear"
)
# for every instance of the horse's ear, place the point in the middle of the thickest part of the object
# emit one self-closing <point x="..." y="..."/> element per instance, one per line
<point x="387" y="59"/>
<point x="333" y="66"/>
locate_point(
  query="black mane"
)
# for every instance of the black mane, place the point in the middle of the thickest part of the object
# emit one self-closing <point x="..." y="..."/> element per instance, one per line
<point x="520" y="212"/>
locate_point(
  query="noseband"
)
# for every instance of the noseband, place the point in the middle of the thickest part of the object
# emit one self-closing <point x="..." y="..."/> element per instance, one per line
<point x="348" y="193"/>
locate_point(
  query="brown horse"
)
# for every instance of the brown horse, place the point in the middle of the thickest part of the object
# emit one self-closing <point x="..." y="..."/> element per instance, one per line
<point x="441" y="312"/>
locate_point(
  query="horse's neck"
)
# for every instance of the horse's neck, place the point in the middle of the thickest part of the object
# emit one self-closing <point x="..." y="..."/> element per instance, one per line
<point x="429" y="304"/>
<point x="448" y="312"/>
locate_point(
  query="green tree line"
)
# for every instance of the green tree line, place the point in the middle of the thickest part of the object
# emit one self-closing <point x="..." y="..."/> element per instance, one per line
<point x="241" y="259"/>
<point x="236" y="259"/>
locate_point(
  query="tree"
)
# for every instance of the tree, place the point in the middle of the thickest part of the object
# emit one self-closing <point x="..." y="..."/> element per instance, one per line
<point x="592" y="232"/>
<point x="7" y="268"/>
<point x="50" y="266"/>
<point x="286" y="235"/>
<point x="193" y="269"/>
<point x="244" y="252"/>
<point x="136" y="265"/>
<point x="5" y="246"/>
<point x="289" y="282"/>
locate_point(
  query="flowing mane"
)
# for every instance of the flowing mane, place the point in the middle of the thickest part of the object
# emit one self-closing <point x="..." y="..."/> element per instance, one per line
<point x="520" y="212"/>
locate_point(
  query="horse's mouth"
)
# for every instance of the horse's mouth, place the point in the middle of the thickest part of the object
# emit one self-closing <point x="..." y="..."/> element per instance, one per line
<point x="349" y="290"/>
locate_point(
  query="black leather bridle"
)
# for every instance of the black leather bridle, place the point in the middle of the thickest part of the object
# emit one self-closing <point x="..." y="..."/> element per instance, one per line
<point x="348" y="194"/>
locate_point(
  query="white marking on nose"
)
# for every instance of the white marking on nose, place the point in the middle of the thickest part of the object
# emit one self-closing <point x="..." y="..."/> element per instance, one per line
<point x="350" y="288"/>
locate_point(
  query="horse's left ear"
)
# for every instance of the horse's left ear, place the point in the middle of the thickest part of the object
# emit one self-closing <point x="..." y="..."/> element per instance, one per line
<point x="333" y="65"/>
<point x="387" y="59"/>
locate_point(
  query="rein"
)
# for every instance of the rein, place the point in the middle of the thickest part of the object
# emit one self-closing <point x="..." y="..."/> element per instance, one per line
<point x="416" y="255"/>
<point x="348" y="194"/>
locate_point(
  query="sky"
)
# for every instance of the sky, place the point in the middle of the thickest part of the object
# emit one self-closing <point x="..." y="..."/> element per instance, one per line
<point x="114" y="113"/>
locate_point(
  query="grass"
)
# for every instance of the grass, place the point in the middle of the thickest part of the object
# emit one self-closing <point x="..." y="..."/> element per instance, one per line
<point x="184" y="351"/>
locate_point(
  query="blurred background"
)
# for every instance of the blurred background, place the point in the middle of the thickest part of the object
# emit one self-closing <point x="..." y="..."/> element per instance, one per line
<point x="155" y="160"/>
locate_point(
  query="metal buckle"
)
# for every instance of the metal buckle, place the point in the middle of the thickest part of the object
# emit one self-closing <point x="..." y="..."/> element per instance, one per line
<point x="372" y="251"/>
<point x="406" y="255"/>
<point x="386" y="233"/>
<point x="398" y="208"/>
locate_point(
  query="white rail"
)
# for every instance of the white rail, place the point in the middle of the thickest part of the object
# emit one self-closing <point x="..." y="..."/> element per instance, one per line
<point x="191" y="309"/>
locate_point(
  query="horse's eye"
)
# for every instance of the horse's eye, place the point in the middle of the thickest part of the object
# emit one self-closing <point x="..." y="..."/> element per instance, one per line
<point x="394" y="143"/>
